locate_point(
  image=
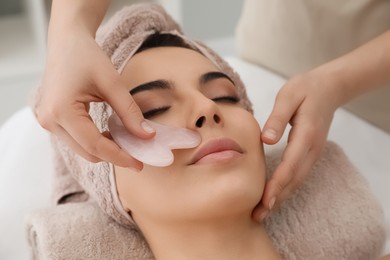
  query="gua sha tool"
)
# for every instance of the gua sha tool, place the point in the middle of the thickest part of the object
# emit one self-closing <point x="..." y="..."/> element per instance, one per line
<point x="155" y="151"/>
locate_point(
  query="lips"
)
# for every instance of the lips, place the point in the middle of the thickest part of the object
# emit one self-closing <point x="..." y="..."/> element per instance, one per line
<point x="216" y="150"/>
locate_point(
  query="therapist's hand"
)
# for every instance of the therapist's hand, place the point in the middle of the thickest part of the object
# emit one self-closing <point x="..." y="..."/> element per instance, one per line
<point x="78" y="72"/>
<point x="308" y="103"/>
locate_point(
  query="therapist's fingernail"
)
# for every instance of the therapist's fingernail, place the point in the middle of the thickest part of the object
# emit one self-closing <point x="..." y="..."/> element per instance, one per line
<point x="270" y="134"/>
<point x="272" y="203"/>
<point x="147" y="128"/>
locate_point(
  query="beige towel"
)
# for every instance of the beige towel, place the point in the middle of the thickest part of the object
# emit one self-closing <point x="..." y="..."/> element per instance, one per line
<point x="333" y="215"/>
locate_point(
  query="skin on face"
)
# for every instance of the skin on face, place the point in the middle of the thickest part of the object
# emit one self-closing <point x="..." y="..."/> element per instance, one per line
<point x="185" y="192"/>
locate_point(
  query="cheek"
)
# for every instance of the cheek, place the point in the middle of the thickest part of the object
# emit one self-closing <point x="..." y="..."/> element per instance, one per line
<point x="154" y="193"/>
<point x="244" y="127"/>
<point x="247" y="131"/>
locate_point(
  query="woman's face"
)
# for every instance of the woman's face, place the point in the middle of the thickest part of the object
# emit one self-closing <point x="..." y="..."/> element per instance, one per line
<point x="180" y="87"/>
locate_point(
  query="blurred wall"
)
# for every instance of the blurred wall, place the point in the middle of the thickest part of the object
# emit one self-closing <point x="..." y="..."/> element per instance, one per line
<point x="206" y="20"/>
<point x="9" y="7"/>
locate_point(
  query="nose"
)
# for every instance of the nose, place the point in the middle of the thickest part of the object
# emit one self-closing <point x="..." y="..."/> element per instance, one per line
<point x="202" y="120"/>
<point x="208" y="114"/>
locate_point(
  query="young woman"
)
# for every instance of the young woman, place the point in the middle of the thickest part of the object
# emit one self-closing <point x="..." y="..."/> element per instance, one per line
<point x="200" y="206"/>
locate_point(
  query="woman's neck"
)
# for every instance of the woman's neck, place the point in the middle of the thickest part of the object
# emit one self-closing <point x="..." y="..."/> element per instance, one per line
<point x="242" y="239"/>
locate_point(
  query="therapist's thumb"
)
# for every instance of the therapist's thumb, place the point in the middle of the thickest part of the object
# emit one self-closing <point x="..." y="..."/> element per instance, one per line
<point x="274" y="127"/>
<point x="282" y="113"/>
<point x="128" y="111"/>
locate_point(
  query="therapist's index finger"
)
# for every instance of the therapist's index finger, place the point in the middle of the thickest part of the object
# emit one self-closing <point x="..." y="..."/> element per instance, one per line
<point x="288" y="171"/>
<point x="129" y="112"/>
<point x="84" y="131"/>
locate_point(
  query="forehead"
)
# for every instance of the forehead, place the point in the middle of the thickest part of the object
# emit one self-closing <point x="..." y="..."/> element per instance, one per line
<point x="171" y="63"/>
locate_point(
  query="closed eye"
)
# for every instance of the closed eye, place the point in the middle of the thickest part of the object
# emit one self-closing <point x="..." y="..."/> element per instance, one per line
<point x="159" y="110"/>
<point x="227" y="99"/>
<point x="155" y="111"/>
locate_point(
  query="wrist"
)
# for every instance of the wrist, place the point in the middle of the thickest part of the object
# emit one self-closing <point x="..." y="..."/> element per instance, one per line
<point x="66" y="40"/>
<point x="333" y="76"/>
<point x="75" y="17"/>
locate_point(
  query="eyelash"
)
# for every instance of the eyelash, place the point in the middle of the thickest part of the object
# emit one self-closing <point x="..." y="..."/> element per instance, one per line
<point x="155" y="112"/>
<point x="224" y="99"/>
<point x="227" y="99"/>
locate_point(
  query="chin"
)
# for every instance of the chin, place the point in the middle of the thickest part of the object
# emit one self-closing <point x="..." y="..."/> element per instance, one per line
<point x="235" y="195"/>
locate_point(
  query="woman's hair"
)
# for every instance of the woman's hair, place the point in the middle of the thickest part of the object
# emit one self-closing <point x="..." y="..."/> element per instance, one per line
<point x="162" y="40"/>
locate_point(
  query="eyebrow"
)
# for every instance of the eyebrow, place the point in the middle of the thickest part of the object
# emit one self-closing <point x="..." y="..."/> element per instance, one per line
<point x="209" y="76"/>
<point x="156" y="84"/>
<point x="164" y="84"/>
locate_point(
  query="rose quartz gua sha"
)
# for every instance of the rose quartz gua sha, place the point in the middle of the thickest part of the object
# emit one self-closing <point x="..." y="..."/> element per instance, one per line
<point x="155" y="151"/>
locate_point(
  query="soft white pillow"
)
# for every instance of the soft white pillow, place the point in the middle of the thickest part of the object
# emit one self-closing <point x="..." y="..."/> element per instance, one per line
<point x="25" y="176"/>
